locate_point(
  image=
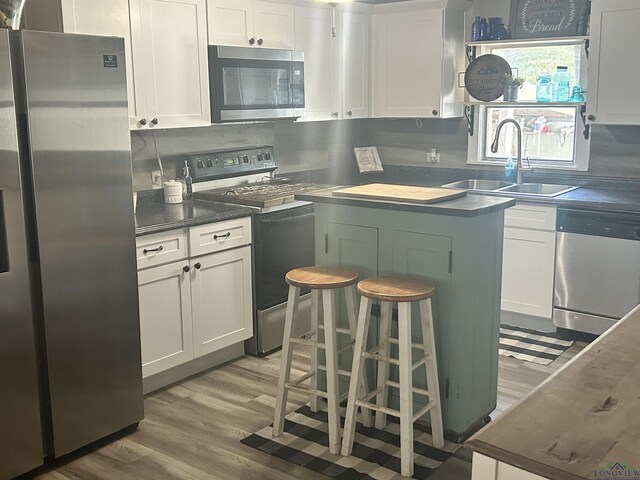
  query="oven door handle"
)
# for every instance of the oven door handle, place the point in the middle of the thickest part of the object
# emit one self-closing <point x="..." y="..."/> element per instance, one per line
<point x="288" y="219"/>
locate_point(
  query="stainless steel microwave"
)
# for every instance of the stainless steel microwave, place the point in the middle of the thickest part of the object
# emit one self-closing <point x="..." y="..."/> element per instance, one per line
<point x="255" y="83"/>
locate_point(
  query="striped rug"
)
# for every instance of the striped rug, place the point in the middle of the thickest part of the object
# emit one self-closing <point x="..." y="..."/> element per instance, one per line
<point x="376" y="453"/>
<point x="530" y="345"/>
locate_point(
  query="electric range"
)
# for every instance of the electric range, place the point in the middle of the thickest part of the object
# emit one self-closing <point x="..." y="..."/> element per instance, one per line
<point x="283" y="230"/>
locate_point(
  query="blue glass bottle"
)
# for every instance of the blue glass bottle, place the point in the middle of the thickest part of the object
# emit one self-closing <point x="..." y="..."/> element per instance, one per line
<point x="561" y="85"/>
<point x="475" y="30"/>
<point x="543" y="87"/>
<point x="484" y="29"/>
<point x="577" y="95"/>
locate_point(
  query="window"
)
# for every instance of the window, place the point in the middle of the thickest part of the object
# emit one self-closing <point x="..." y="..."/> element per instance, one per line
<point x="552" y="134"/>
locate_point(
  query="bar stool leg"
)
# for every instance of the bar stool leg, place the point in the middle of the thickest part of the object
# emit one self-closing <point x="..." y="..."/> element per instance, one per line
<point x="352" y="302"/>
<point x="383" y="367"/>
<point x="433" y="385"/>
<point x="331" y="356"/>
<point x="406" y="389"/>
<point x="285" y="362"/>
<point x="357" y="370"/>
<point x="315" y="315"/>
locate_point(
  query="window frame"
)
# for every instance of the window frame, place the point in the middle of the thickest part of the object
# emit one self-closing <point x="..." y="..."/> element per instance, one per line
<point x="477" y="146"/>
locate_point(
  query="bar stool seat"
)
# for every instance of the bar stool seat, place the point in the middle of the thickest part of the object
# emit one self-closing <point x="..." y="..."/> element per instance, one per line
<point x="403" y="290"/>
<point x="321" y="278"/>
<point x="397" y="289"/>
<point x="324" y="283"/>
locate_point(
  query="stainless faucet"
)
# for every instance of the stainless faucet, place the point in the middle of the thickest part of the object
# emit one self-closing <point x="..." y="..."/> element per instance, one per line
<point x="494" y="147"/>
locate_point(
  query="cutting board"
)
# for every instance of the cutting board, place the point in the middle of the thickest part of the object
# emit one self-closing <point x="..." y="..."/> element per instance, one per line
<point x="400" y="193"/>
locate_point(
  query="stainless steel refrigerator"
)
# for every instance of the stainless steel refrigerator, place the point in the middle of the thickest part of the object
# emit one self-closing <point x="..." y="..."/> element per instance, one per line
<point x="70" y="369"/>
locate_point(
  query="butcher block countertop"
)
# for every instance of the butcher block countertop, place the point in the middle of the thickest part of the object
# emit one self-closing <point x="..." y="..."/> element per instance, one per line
<point x="582" y="419"/>
<point x="465" y="206"/>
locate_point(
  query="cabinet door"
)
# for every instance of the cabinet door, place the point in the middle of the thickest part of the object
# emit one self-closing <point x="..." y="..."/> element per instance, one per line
<point x="165" y="317"/>
<point x="611" y="100"/>
<point x="222" y="300"/>
<point x="355" y="65"/>
<point x="230" y="22"/>
<point x="313" y="36"/>
<point x="528" y="271"/>
<point x="109" y="18"/>
<point x="274" y="24"/>
<point x="353" y="247"/>
<point x="174" y="34"/>
<point x="407" y="64"/>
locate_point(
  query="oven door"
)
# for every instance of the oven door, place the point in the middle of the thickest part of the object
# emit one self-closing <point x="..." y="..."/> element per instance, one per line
<point x="283" y="241"/>
<point x="255" y="84"/>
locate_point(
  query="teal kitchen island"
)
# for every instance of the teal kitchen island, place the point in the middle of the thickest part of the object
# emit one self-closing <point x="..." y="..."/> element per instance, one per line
<point x="458" y="245"/>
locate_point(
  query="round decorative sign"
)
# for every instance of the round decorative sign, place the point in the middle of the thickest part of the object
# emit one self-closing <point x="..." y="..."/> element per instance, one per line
<point x="483" y="75"/>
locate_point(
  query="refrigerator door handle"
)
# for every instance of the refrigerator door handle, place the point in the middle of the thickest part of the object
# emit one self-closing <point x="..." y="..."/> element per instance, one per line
<point x="4" y="248"/>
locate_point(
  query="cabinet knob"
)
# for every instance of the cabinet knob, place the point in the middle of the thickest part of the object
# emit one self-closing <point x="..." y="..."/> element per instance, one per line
<point x="350" y="113"/>
<point x="260" y="41"/>
<point x="591" y="118"/>
<point x="198" y="266"/>
<point x="143" y="121"/>
<point x="186" y="269"/>
<point x="252" y="41"/>
<point x="334" y="114"/>
<point x="435" y="112"/>
<point x="154" y="121"/>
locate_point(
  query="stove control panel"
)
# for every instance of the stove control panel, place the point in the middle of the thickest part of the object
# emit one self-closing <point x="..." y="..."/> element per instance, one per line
<point x="231" y="163"/>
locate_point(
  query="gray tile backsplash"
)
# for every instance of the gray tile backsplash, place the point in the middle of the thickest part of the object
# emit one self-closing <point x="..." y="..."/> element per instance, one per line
<point x="615" y="150"/>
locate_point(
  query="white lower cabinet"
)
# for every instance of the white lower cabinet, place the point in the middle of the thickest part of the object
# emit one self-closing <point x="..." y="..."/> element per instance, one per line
<point x="165" y="317"/>
<point x="529" y="260"/>
<point x="194" y="305"/>
<point x="221" y="299"/>
<point x="485" y="468"/>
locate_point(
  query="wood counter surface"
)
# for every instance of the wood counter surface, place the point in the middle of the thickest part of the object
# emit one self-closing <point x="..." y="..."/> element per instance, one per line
<point x="579" y="420"/>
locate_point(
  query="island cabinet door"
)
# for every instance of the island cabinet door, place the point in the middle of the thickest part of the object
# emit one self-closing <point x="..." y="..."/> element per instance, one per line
<point x="165" y="317"/>
<point x="425" y="256"/>
<point x="354" y="247"/>
<point x="222" y="300"/>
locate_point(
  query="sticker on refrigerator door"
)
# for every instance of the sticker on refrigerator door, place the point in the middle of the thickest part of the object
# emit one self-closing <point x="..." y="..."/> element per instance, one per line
<point x="110" y="61"/>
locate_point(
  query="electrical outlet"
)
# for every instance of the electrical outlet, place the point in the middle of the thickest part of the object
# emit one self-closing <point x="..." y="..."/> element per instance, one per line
<point x="433" y="155"/>
<point x="156" y="179"/>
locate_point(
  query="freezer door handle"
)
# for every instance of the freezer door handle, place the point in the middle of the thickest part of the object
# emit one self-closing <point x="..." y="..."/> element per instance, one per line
<point x="4" y="249"/>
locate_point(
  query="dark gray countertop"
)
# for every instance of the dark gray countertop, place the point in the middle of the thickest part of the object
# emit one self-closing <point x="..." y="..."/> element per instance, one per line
<point x="468" y="206"/>
<point x="153" y="216"/>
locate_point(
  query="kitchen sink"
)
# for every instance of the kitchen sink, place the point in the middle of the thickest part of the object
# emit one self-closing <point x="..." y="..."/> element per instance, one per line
<point x="481" y="185"/>
<point x="537" y="189"/>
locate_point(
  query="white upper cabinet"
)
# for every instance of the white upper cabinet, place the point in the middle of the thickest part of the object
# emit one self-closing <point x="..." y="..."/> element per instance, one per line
<point x="251" y="23"/>
<point x="166" y="47"/>
<point x="313" y="37"/>
<point x="109" y="18"/>
<point x="355" y="40"/>
<point x="173" y="48"/>
<point x="273" y="24"/>
<point x="416" y="58"/>
<point x="611" y="99"/>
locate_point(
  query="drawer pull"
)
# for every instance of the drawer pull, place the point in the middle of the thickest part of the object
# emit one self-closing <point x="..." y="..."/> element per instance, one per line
<point x="149" y="250"/>
<point x="216" y="237"/>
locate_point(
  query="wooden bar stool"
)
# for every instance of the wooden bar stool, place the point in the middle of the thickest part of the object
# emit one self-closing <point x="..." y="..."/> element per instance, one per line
<point x="402" y="290"/>
<point x="325" y="280"/>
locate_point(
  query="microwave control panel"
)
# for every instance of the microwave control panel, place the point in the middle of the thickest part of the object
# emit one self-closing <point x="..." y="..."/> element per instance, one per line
<point x="231" y="163"/>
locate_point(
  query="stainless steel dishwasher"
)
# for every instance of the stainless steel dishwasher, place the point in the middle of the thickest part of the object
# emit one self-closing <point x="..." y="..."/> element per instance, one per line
<point x="597" y="278"/>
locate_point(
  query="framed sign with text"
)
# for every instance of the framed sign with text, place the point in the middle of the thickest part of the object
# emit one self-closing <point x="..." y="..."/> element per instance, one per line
<point x="549" y="18"/>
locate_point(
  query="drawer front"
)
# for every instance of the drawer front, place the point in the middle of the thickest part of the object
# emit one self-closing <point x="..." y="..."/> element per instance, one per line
<point x="219" y="236"/>
<point x="532" y="216"/>
<point x="160" y="248"/>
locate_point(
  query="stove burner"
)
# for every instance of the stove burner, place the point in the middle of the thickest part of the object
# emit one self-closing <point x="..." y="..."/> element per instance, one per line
<point x="260" y="194"/>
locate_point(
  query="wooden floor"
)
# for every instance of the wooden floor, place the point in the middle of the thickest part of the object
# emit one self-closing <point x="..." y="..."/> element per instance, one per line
<point x="193" y="430"/>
